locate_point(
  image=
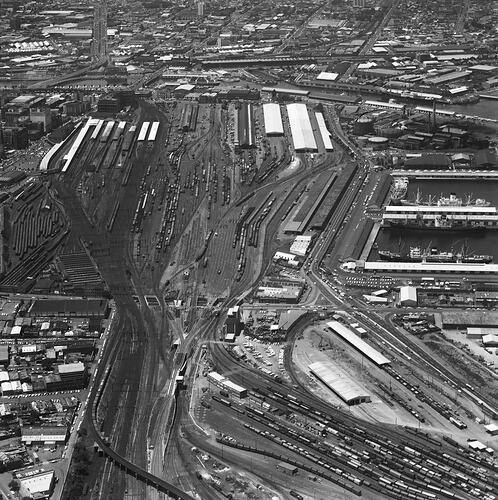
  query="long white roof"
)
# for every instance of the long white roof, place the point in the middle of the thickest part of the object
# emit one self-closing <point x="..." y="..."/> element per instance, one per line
<point x="153" y="131"/>
<point x="273" y="119"/>
<point x="338" y="381"/>
<point x="358" y="343"/>
<point x="436" y="209"/>
<point x="300" y="124"/>
<point x="91" y="122"/>
<point x="430" y="267"/>
<point x="46" y="159"/>
<point x="95" y="133"/>
<point x="324" y="132"/>
<point x="143" y="131"/>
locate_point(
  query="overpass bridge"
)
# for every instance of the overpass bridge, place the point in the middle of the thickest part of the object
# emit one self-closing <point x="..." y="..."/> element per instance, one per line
<point x="122" y="462"/>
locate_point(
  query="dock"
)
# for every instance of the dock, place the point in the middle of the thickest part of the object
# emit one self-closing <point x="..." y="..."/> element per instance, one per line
<point x="370" y="241"/>
<point x="446" y="174"/>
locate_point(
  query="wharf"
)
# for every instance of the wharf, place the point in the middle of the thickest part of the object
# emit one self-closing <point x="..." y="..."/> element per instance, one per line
<point x="428" y="267"/>
<point x="370" y="241"/>
<point x="447" y="174"/>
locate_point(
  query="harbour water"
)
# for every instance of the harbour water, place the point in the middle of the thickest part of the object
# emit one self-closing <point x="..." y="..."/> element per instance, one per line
<point x="477" y="242"/>
<point x="487" y="108"/>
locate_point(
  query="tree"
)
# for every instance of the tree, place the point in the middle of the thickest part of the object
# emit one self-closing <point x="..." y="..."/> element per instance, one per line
<point x="15" y="485"/>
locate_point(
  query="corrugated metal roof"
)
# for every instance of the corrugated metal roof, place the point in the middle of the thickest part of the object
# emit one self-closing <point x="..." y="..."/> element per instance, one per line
<point x="430" y="267"/>
<point x="300" y="124"/>
<point x="339" y="382"/>
<point x="361" y="345"/>
<point x="273" y="118"/>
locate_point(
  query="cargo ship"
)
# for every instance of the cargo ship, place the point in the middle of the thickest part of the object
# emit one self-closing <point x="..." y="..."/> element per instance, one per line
<point x="433" y="255"/>
<point x="400" y="188"/>
<point x="445" y="201"/>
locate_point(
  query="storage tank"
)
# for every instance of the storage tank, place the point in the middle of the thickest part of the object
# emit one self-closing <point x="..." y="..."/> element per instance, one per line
<point x="362" y="141"/>
<point x="378" y="143"/>
<point x="364" y="125"/>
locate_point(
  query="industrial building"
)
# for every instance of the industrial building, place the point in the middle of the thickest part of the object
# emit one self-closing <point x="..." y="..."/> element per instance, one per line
<point x="300" y="245"/>
<point x="188" y="120"/>
<point x="428" y="267"/>
<point x="492" y="429"/>
<point x="360" y="345"/>
<point x="224" y="383"/>
<point x="301" y="130"/>
<point x="290" y="294"/>
<point x="311" y="205"/>
<point x="273" y="119"/>
<point x="408" y="296"/>
<point x="280" y="290"/>
<point x="463" y="319"/>
<point x="244" y="126"/>
<point x="82" y="308"/>
<point x="340" y="383"/>
<point x="142" y="135"/>
<point x="232" y="323"/>
<point x="48" y="435"/>
<point x="39" y="483"/>
<point x="490" y="340"/>
<point x="324" y="132"/>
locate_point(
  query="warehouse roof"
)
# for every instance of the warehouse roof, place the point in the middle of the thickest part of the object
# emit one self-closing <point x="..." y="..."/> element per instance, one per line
<point x="470" y="318"/>
<point x="68" y="306"/>
<point x="443" y="209"/>
<point x="324" y="132"/>
<point x="38" y="481"/>
<point x="339" y="382"/>
<point x="430" y="267"/>
<point x="273" y="118"/>
<point x="72" y="367"/>
<point x="300" y="124"/>
<point x="358" y="343"/>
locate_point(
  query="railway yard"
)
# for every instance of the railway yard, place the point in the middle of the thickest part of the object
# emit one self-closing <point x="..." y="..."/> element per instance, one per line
<point x="252" y="352"/>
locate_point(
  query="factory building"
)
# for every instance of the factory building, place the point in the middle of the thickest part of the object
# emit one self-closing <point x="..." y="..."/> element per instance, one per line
<point x="301" y="130"/>
<point x="273" y="119"/>
<point x="408" y="296"/>
<point x="340" y="383"/>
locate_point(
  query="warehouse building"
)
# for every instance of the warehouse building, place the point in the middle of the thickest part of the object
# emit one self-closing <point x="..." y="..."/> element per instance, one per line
<point x="39" y="483"/>
<point x="301" y="245"/>
<point x="360" y="345"/>
<point x="324" y="132"/>
<point x="462" y="319"/>
<point x="82" y="308"/>
<point x="273" y="119"/>
<point x="244" y="126"/>
<point x="73" y="375"/>
<point x="301" y="130"/>
<point x="408" y="296"/>
<point x="49" y="435"/>
<point x="490" y="340"/>
<point x="340" y="383"/>
<point x="492" y="429"/>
